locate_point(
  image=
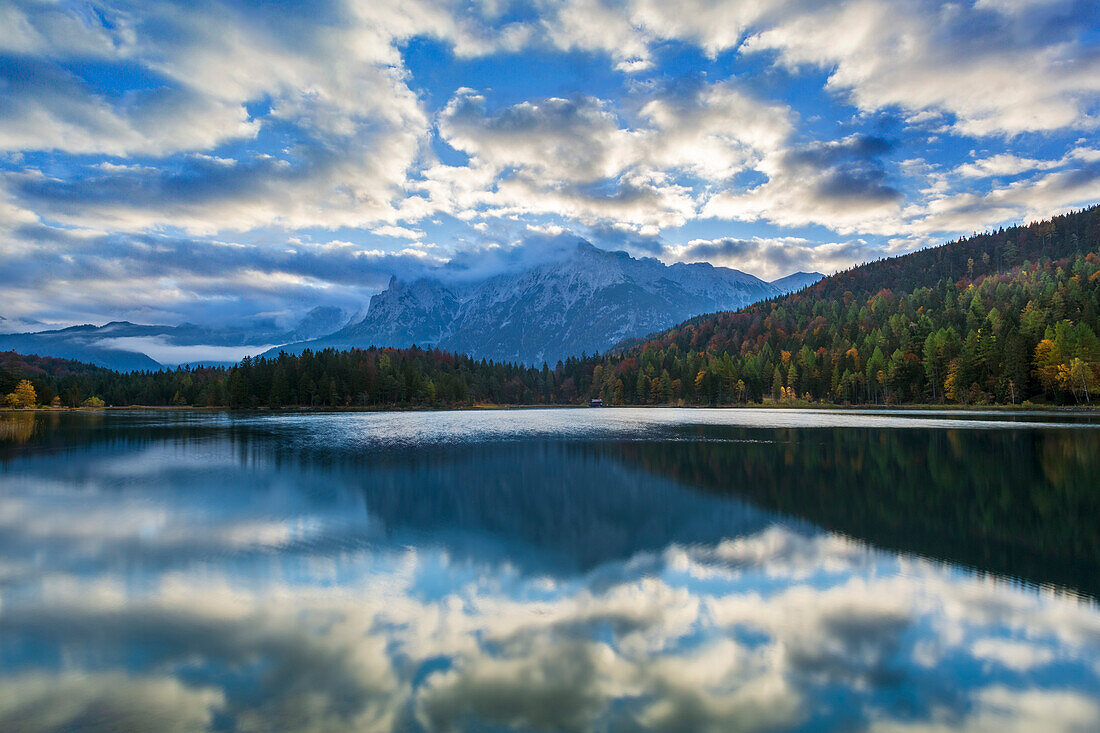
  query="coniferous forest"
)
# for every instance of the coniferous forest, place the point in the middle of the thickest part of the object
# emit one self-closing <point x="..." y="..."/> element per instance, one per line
<point x="1004" y="317"/>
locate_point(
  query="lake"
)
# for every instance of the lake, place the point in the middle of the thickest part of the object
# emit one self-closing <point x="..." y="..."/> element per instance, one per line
<point x="567" y="569"/>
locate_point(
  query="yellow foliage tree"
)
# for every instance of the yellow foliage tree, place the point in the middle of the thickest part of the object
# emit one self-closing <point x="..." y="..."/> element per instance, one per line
<point x="1078" y="377"/>
<point x="949" y="383"/>
<point x="1047" y="359"/>
<point x="23" y="396"/>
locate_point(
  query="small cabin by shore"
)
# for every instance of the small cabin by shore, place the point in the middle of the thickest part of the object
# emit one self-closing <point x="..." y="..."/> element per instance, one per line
<point x="595" y="402"/>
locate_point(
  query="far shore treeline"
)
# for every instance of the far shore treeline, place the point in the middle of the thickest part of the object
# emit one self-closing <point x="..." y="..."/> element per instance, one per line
<point x="998" y="318"/>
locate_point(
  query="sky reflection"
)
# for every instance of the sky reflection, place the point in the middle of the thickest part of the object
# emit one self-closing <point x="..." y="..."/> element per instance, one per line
<point x="230" y="575"/>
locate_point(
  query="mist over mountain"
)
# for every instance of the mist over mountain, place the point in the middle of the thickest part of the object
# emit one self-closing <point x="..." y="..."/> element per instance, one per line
<point x="584" y="301"/>
<point x="126" y="346"/>
<point x="546" y="300"/>
<point x="1006" y="317"/>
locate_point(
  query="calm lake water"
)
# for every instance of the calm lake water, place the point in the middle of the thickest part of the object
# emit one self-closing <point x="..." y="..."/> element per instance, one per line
<point x="608" y="570"/>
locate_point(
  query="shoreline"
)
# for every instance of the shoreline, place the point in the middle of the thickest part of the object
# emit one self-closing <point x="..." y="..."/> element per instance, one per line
<point x="1083" y="409"/>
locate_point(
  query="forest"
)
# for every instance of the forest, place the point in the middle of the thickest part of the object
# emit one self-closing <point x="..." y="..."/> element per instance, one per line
<point x="1004" y="317"/>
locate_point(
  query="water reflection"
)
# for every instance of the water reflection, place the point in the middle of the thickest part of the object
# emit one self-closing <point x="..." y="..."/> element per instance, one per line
<point x="336" y="572"/>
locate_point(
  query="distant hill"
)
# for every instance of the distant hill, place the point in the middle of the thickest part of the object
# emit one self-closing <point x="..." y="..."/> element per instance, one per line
<point x="125" y="346"/>
<point x="585" y="302"/>
<point x="42" y="366"/>
<point x="79" y="343"/>
<point x="42" y="371"/>
<point x="796" y="281"/>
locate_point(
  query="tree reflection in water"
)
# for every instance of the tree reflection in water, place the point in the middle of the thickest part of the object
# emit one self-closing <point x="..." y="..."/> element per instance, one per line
<point x="199" y="571"/>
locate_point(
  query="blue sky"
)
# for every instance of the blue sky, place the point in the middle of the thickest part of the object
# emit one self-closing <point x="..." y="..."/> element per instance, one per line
<point x="212" y="161"/>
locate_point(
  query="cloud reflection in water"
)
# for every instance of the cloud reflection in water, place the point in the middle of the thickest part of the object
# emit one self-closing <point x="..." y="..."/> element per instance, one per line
<point x="224" y="580"/>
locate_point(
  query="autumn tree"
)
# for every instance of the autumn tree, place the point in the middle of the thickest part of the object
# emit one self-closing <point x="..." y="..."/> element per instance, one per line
<point x="24" y="395"/>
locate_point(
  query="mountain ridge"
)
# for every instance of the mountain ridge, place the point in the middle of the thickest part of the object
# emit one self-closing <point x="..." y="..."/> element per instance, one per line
<point x="569" y="298"/>
<point x="123" y="345"/>
<point x="585" y="302"/>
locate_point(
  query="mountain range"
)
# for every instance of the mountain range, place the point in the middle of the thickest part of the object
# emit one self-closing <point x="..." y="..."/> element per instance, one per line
<point x="1006" y="317"/>
<point x="126" y="346"/>
<point x="584" y="300"/>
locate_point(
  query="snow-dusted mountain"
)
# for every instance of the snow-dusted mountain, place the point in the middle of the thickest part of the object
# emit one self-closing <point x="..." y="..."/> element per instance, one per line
<point x="584" y="302"/>
<point x="796" y="281"/>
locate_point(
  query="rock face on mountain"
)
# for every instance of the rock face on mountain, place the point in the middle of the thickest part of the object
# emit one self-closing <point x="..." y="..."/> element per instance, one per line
<point x="419" y="312"/>
<point x="584" y="302"/>
<point x="320" y="321"/>
<point x="796" y="281"/>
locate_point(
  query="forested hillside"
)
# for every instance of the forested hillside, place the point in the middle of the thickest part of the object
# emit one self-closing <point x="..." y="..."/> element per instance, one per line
<point x="1000" y="317"/>
<point x="1003" y="317"/>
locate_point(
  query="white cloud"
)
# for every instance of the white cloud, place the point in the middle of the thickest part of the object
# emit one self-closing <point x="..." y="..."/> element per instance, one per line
<point x="1003" y="164"/>
<point x="1027" y="199"/>
<point x="1000" y="709"/>
<point x="333" y="74"/>
<point x="397" y="232"/>
<point x="579" y="159"/>
<point x="1018" y="75"/>
<point x="843" y="184"/>
<point x="260" y="121"/>
<point x="1014" y="655"/>
<point x="592" y="25"/>
<point x="629" y="31"/>
<point x="772" y="257"/>
<point x="39" y="703"/>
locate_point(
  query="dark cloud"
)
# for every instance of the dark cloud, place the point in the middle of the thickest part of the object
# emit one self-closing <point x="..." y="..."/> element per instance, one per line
<point x="616" y="238"/>
<point x="771" y="258"/>
<point x="860" y="645"/>
<point x="718" y="248"/>
<point x="148" y="255"/>
<point x="846" y="170"/>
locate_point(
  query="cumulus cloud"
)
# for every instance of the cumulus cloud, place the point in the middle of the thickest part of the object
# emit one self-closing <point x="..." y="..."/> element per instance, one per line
<point x="175" y="279"/>
<point x="46" y="108"/>
<point x="999" y="709"/>
<point x="1029" y="198"/>
<point x="1002" y="164"/>
<point x="397" y="232"/>
<point x="326" y="88"/>
<point x="172" y="122"/>
<point x="579" y="159"/>
<point x="1028" y="69"/>
<point x="579" y="141"/>
<point x="844" y="184"/>
<point x="773" y="258"/>
<point x="40" y="703"/>
<point x="629" y="31"/>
